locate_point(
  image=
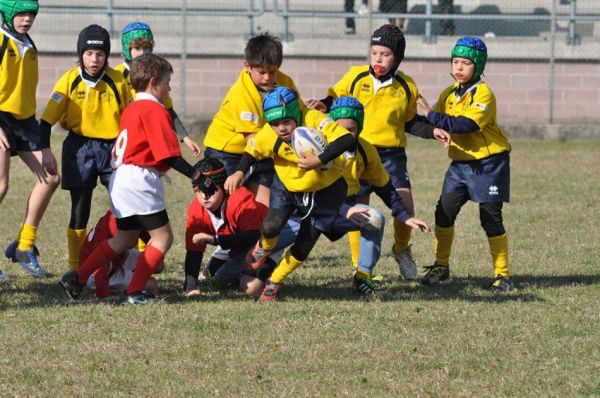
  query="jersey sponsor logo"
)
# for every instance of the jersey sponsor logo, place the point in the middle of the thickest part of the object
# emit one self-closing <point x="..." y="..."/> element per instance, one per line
<point x="106" y="96"/>
<point x="324" y="124"/>
<point x="81" y="95"/>
<point x="493" y="190"/>
<point x="11" y="53"/>
<point x="99" y="42"/>
<point x="249" y="116"/>
<point x="56" y="97"/>
<point x="366" y="87"/>
<point x="483" y="107"/>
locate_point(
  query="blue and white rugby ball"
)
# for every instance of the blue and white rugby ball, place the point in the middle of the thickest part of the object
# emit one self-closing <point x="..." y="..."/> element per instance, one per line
<point x="308" y="140"/>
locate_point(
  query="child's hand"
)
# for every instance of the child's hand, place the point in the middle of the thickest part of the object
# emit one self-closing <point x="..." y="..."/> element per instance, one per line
<point x="316" y="104"/>
<point x="423" y="107"/>
<point x="193" y="146"/>
<point x="49" y="162"/>
<point x="233" y="182"/>
<point x="309" y="161"/>
<point x="203" y="238"/>
<point x="4" y="145"/>
<point x="442" y="136"/>
<point x="415" y="223"/>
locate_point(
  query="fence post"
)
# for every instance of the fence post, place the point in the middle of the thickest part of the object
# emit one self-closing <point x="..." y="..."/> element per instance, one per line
<point x="183" y="59"/>
<point x="286" y="35"/>
<point x="109" y="13"/>
<point x="552" y="59"/>
<point x="250" y="32"/>
<point x="429" y="38"/>
<point x="574" y="39"/>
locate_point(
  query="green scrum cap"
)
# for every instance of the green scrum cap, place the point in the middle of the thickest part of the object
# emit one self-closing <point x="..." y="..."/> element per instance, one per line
<point x="348" y="108"/>
<point x="281" y="103"/>
<point x="132" y="32"/>
<point x="474" y="49"/>
<point x="10" y="8"/>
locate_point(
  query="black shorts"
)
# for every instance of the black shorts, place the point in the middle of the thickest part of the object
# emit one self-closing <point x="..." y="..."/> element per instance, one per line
<point x="394" y="161"/>
<point x="23" y="135"/>
<point x="84" y="160"/>
<point x="261" y="172"/>
<point x="146" y="222"/>
<point x="321" y="206"/>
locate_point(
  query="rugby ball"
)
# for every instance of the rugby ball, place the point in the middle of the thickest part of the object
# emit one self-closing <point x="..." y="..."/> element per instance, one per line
<point x="308" y="140"/>
<point x="376" y="220"/>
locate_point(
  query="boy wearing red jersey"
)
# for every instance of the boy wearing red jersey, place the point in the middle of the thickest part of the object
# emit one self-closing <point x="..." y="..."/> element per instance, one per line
<point x="144" y="150"/>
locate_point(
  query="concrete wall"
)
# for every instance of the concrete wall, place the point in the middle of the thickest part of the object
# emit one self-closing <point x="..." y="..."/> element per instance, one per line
<point x="521" y="88"/>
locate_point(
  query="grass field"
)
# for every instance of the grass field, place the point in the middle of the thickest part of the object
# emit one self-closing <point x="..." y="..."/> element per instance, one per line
<point x="457" y="339"/>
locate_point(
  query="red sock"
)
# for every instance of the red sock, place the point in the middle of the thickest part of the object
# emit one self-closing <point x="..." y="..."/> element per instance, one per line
<point x="101" y="280"/>
<point x="103" y="254"/>
<point x="144" y="268"/>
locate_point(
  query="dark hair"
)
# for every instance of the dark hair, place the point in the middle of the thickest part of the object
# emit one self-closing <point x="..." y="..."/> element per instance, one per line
<point x="148" y="66"/>
<point x="263" y="50"/>
<point x="213" y="169"/>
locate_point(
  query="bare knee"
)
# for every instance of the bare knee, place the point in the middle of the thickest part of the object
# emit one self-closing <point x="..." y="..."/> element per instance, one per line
<point x="3" y="189"/>
<point x="250" y="285"/>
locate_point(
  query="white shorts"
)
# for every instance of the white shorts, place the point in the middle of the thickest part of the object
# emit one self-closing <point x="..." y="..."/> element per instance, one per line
<point x="120" y="279"/>
<point x="135" y="190"/>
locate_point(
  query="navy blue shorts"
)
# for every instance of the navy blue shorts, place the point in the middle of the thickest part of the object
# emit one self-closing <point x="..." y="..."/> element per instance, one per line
<point x="261" y="172"/>
<point x="84" y="160"/>
<point x="23" y="135"/>
<point x="485" y="180"/>
<point x="394" y="162"/>
<point x="321" y="206"/>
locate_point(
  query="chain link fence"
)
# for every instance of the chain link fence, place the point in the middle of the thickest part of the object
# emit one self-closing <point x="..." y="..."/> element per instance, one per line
<point x="556" y="41"/>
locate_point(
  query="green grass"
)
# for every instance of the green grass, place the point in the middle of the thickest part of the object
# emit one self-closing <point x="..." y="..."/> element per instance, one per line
<point x="457" y="339"/>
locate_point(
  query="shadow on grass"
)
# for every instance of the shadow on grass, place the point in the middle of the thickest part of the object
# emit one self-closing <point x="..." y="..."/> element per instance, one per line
<point x="47" y="293"/>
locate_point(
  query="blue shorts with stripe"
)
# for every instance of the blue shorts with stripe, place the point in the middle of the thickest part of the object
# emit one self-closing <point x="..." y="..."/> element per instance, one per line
<point x="23" y="135"/>
<point x="321" y="206"/>
<point x="484" y="180"/>
<point x="84" y="160"/>
<point x="394" y="162"/>
<point x="261" y="172"/>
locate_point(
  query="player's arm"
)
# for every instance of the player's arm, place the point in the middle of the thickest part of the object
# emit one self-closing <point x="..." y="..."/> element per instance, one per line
<point x="235" y="180"/>
<point x="240" y="239"/>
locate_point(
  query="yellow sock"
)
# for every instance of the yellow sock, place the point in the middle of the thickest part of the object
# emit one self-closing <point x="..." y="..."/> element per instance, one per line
<point x="362" y="275"/>
<point x="268" y="243"/>
<point x="402" y="234"/>
<point x="499" y="251"/>
<point x="443" y="244"/>
<point x="27" y="237"/>
<point x="75" y="238"/>
<point x="354" y="240"/>
<point x="141" y="245"/>
<point x="287" y="265"/>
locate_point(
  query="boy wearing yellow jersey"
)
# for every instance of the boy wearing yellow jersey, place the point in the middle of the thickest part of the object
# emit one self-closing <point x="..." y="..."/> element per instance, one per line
<point x="389" y="99"/>
<point x="364" y="164"/>
<point x="299" y="185"/>
<point x="88" y="102"/>
<point x="19" y="130"/>
<point x="241" y="115"/>
<point x="137" y="39"/>
<point x="480" y="167"/>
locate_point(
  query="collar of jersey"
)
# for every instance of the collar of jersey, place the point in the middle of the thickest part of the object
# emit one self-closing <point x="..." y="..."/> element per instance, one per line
<point x="146" y="96"/>
<point x="22" y="43"/>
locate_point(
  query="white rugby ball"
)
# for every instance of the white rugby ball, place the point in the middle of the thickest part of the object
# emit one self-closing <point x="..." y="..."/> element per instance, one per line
<point x="375" y="220"/>
<point x="308" y="140"/>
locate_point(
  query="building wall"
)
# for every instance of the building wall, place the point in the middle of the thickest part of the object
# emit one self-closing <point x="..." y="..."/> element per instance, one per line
<point x="521" y="88"/>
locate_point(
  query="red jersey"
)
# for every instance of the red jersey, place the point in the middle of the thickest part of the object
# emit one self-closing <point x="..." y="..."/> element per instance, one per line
<point x="147" y="135"/>
<point x="239" y="213"/>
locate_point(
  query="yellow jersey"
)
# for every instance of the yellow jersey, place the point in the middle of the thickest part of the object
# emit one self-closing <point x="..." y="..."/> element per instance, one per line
<point x="86" y="108"/>
<point x="240" y="114"/>
<point x="124" y="69"/>
<point x="18" y="75"/>
<point x="478" y="104"/>
<point x="267" y="144"/>
<point x="387" y="109"/>
<point x="363" y="164"/>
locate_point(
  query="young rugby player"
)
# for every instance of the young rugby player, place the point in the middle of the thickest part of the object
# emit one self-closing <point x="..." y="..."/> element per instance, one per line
<point x="20" y="131"/>
<point x="145" y="149"/>
<point x="241" y="116"/>
<point x="137" y="39"/>
<point x="87" y="101"/>
<point x="480" y="167"/>
<point x="389" y="97"/>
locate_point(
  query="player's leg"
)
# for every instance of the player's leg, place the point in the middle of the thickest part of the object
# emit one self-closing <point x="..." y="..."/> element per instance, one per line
<point x="354" y="236"/>
<point x="81" y="205"/>
<point x="4" y="178"/>
<point x="490" y="215"/>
